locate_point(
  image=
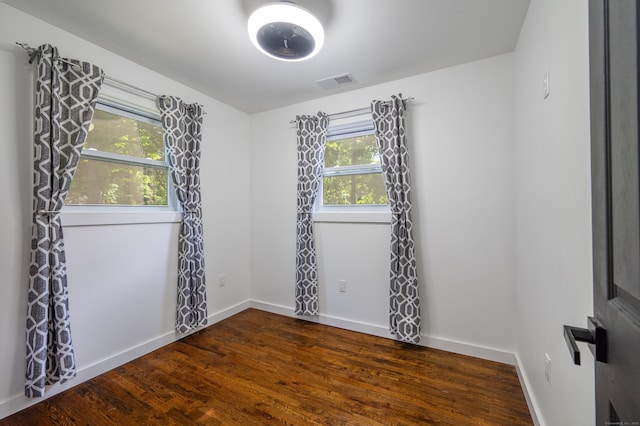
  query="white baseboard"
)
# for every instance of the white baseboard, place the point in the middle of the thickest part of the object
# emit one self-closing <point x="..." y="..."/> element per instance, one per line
<point x="534" y="409"/>
<point x="380" y="331"/>
<point x="19" y="402"/>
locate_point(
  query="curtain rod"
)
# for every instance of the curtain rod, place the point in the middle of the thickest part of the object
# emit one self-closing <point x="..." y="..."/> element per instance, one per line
<point x="358" y="111"/>
<point x="114" y="82"/>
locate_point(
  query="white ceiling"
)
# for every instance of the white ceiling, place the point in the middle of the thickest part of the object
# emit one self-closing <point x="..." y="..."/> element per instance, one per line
<point x="204" y="43"/>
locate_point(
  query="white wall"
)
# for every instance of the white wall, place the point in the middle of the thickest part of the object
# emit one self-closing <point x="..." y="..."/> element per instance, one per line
<point x="122" y="279"/>
<point x="501" y="205"/>
<point x="553" y="210"/>
<point x="460" y="133"/>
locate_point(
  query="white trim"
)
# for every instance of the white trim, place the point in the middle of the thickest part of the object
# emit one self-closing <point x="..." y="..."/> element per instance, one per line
<point x="19" y="402"/>
<point x="375" y="214"/>
<point x="534" y="408"/>
<point x="461" y="348"/>
<point x="85" y="216"/>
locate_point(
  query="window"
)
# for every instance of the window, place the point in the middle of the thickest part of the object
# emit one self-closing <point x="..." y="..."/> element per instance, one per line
<point x="352" y="174"/>
<point x="123" y="160"/>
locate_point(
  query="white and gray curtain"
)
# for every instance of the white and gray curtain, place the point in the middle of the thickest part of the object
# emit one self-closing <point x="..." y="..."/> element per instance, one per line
<point x="66" y="93"/>
<point x="404" y="302"/>
<point x="182" y="125"/>
<point x="312" y="135"/>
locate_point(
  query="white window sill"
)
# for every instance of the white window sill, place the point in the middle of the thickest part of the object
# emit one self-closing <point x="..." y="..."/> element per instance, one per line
<point x="353" y="215"/>
<point x="98" y="217"/>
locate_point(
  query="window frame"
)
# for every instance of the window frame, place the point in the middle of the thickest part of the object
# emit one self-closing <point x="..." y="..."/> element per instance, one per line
<point x="114" y="214"/>
<point x="370" y="213"/>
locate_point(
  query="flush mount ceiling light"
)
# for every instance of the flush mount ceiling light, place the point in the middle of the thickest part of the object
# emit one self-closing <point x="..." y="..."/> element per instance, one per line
<point x="285" y="31"/>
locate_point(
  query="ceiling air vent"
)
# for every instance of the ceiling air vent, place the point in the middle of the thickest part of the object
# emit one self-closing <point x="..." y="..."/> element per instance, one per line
<point x="335" y="81"/>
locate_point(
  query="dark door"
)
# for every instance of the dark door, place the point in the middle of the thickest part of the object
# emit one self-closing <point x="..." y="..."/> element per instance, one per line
<point x="615" y="134"/>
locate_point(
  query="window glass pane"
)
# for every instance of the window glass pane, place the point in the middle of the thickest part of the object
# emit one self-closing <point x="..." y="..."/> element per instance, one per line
<point x="106" y="182"/>
<point x="354" y="189"/>
<point x="351" y="151"/>
<point x="122" y="135"/>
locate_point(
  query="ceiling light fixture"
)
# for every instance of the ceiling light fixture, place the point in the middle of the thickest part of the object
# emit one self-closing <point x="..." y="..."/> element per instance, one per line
<point x="285" y="31"/>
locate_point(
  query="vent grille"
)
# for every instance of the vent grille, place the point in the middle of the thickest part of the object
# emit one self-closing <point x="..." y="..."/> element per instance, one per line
<point x="335" y="81"/>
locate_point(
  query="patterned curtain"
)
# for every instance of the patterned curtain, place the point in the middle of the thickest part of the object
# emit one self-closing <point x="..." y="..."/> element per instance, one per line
<point x="404" y="302"/>
<point x="182" y="126"/>
<point x="66" y="93"/>
<point x="312" y="134"/>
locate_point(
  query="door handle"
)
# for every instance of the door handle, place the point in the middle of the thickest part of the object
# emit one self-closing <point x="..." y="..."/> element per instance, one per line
<point x="595" y="335"/>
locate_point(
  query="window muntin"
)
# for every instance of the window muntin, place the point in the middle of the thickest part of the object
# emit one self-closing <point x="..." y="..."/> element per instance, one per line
<point x="123" y="161"/>
<point x="352" y="174"/>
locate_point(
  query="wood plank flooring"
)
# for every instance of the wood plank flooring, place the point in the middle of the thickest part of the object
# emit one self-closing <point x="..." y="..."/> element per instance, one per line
<point x="258" y="368"/>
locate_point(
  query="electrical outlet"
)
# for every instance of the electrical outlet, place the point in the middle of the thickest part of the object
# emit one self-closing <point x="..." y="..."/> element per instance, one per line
<point x="222" y="280"/>
<point x="342" y="286"/>
<point x="547" y="368"/>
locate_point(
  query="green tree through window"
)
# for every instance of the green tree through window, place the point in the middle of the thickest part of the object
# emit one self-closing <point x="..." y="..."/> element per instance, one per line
<point x="352" y="173"/>
<point x="122" y="163"/>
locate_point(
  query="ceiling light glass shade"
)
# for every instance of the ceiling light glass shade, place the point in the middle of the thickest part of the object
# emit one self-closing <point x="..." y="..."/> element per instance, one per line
<point x="285" y="31"/>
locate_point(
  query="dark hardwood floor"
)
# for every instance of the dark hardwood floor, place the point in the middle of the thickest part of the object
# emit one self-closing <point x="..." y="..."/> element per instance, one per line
<point x="260" y="368"/>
